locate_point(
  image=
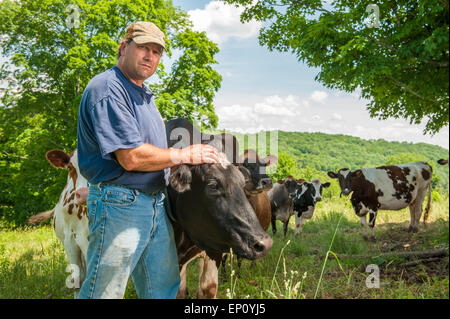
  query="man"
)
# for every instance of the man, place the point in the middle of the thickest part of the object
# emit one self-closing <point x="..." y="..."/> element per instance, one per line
<point x="123" y="153"/>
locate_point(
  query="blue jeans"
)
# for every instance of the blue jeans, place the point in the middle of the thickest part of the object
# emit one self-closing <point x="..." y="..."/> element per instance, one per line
<point x="129" y="233"/>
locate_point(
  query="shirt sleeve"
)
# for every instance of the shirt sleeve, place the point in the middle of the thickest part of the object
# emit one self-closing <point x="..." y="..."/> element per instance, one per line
<point x="114" y="126"/>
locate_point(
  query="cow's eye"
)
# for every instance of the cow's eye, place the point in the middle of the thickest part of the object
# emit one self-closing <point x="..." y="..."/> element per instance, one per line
<point x="213" y="185"/>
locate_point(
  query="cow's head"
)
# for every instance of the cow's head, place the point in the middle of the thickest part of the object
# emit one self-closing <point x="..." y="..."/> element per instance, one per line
<point x="290" y="183"/>
<point x="345" y="177"/>
<point x="75" y="180"/>
<point x="254" y="170"/>
<point x="213" y="210"/>
<point x="307" y="195"/>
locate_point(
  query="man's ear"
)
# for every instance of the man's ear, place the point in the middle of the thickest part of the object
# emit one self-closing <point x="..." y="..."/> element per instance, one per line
<point x="58" y="158"/>
<point x="180" y="178"/>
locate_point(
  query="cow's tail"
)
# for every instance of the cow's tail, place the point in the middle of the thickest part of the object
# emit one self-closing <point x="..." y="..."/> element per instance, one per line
<point x="428" y="208"/>
<point x="41" y="217"/>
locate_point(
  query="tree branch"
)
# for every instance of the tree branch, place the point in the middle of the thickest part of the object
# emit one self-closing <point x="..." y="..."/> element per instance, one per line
<point x="403" y="85"/>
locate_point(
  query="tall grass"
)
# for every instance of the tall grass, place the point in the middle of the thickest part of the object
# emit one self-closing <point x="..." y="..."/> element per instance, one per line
<point x="33" y="261"/>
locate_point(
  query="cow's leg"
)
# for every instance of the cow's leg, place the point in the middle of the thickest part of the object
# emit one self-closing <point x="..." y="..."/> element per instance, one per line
<point x="372" y="217"/>
<point x="363" y="220"/>
<point x="417" y="213"/>
<point x="285" y="227"/>
<point x="208" y="278"/>
<point x="412" y="210"/>
<point x="299" y="222"/>
<point x="73" y="253"/>
<point x="274" y="223"/>
<point x="182" y="290"/>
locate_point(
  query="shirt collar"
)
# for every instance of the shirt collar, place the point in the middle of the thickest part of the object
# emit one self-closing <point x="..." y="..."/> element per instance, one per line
<point x="141" y="89"/>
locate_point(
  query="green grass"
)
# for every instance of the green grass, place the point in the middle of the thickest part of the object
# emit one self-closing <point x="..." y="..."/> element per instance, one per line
<point x="33" y="262"/>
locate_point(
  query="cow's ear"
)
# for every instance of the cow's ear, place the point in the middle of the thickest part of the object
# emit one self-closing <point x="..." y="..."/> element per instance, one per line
<point x="326" y="185"/>
<point x="300" y="181"/>
<point x="244" y="172"/>
<point x="280" y="181"/>
<point x="270" y="159"/>
<point x="357" y="172"/>
<point x="58" y="158"/>
<point x="332" y="175"/>
<point x="180" y="178"/>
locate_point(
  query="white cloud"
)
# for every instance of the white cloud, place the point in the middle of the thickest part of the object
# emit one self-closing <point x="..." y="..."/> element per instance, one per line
<point x="293" y="113"/>
<point x="336" y="116"/>
<point x="221" y="21"/>
<point x="318" y="96"/>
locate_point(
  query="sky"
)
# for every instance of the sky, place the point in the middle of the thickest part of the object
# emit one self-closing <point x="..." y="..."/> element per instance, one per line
<point x="263" y="90"/>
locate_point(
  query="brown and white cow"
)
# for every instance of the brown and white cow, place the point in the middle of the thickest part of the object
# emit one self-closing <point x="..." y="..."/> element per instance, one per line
<point x="281" y="202"/>
<point x="307" y="195"/>
<point x="70" y="213"/>
<point x="388" y="188"/>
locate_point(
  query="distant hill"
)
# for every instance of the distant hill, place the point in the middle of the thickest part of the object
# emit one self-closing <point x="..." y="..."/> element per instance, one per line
<point x="327" y="152"/>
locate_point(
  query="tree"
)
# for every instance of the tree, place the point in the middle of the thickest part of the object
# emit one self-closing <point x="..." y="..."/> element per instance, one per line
<point x="285" y="166"/>
<point x="53" y="49"/>
<point x="401" y="65"/>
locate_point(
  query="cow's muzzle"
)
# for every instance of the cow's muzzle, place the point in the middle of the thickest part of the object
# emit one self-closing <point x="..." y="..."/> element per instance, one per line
<point x="81" y="195"/>
<point x="262" y="247"/>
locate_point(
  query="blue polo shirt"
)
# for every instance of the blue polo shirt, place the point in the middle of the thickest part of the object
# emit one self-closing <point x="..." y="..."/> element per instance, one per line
<point x="117" y="114"/>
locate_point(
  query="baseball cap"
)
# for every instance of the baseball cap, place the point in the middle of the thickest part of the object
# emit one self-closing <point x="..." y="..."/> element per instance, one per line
<point x="145" y="32"/>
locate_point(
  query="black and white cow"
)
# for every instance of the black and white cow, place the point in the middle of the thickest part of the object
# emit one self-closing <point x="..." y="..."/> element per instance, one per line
<point x="388" y="188"/>
<point x="281" y="203"/>
<point x="307" y="194"/>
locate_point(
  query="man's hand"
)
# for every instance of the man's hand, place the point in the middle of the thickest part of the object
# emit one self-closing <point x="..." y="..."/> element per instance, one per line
<point x="198" y="154"/>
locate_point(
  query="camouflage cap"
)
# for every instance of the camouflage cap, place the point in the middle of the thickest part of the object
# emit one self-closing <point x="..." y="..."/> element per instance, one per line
<point x="145" y="32"/>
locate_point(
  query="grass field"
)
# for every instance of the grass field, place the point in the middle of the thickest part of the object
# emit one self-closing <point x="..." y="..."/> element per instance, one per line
<point x="33" y="262"/>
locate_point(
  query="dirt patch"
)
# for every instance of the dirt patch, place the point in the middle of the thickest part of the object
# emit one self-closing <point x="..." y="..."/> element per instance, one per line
<point x="420" y="273"/>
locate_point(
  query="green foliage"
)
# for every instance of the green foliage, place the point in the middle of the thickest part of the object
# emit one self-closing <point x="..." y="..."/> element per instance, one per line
<point x="402" y="67"/>
<point x="285" y="166"/>
<point x="50" y="63"/>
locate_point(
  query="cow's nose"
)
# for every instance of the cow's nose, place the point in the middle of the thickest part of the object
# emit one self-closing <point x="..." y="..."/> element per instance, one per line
<point x="263" y="246"/>
<point x="318" y="199"/>
<point x="81" y="195"/>
<point x="266" y="182"/>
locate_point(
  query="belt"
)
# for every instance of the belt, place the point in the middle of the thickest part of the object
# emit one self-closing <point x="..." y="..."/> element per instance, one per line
<point x="137" y="191"/>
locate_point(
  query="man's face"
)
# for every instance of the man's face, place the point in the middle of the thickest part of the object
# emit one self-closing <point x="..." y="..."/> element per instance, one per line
<point x="140" y="60"/>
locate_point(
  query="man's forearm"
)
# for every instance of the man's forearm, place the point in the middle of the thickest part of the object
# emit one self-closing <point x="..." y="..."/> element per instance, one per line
<point x="148" y="158"/>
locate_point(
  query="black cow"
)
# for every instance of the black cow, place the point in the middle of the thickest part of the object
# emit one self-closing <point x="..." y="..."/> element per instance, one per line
<point x="211" y="209"/>
<point x="281" y="203"/>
